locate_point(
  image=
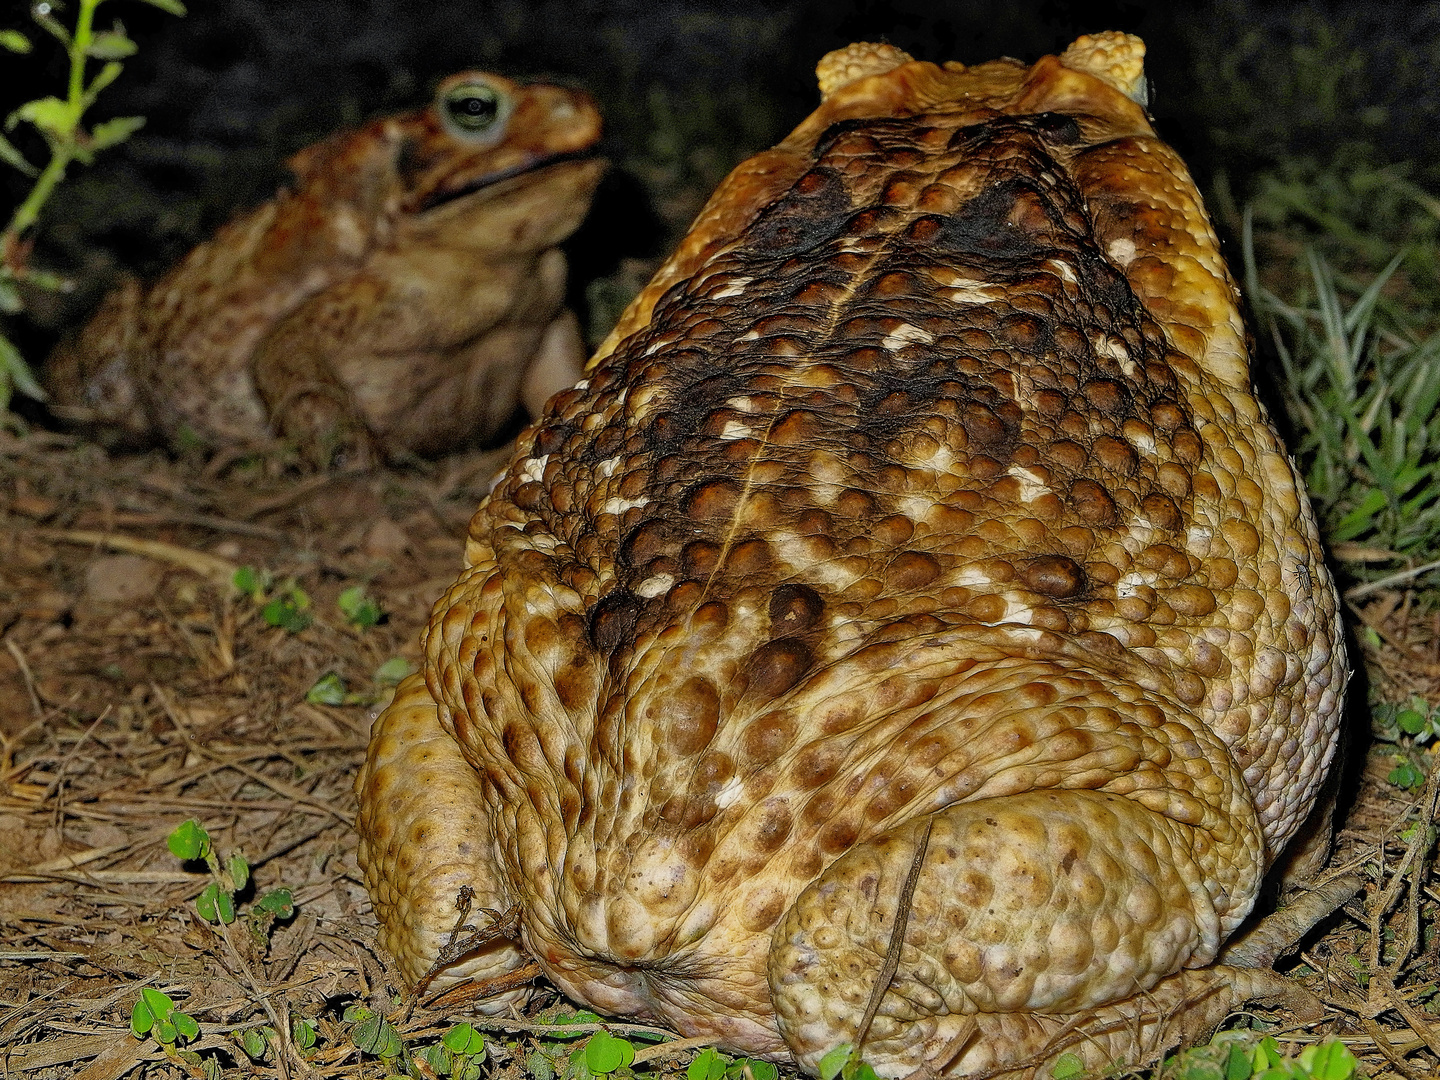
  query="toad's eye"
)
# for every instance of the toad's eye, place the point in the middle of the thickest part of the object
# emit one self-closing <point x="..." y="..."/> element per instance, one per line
<point x="475" y="108"/>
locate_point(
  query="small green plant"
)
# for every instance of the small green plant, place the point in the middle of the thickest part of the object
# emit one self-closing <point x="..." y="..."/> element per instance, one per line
<point x="59" y="122"/>
<point x="1067" y="1067"/>
<point x="358" y="609"/>
<point x="330" y="688"/>
<point x="1395" y="721"/>
<point x="710" y="1064"/>
<point x="1235" y="1055"/>
<point x="1406" y="774"/>
<point x="1411" y="724"/>
<point x="285" y="605"/>
<point x="459" y="1053"/>
<point x="606" y="1054"/>
<point x="392" y="671"/>
<point x="845" y="1063"/>
<point x="155" y="1015"/>
<point x="216" y="902"/>
<point x="557" y="1057"/>
<point x="372" y="1034"/>
<point x="259" y="1043"/>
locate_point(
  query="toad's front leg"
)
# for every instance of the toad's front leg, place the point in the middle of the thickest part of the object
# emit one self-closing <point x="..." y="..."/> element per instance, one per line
<point x="424" y="836"/>
<point x="1037" y="915"/>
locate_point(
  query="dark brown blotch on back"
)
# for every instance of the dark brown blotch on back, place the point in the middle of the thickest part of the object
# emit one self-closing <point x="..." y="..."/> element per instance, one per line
<point x="999" y="224"/>
<point x="1092" y="503"/>
<point x="691" y="716"/>
<point x="814" y="210"/>
<point x="911" y="570"/>
<point x="777" y="666"/>
<point x="613" y="619"/>
<point x="1055" y="576"/>
<point x="645" y="542"/>
<point x="794" y="609"/>
<point x="711" y="499"/>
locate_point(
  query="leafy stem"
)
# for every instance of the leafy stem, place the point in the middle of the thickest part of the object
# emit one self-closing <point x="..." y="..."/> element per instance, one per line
<point x="59" y="124"/>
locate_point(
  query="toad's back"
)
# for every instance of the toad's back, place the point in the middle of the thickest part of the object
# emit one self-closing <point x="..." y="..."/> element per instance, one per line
<point x="921" y="502"/>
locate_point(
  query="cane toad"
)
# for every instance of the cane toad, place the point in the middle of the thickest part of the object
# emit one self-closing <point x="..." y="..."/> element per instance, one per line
<point x="919" y="514"/>
<point x="406" y="293"/>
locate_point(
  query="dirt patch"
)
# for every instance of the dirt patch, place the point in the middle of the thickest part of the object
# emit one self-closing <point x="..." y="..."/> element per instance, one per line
<point x="139" y="688"/>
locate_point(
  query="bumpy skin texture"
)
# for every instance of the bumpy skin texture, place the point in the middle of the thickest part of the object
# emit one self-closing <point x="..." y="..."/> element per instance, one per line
<point x="403" y="296"/>
<point x="923" y="486"/>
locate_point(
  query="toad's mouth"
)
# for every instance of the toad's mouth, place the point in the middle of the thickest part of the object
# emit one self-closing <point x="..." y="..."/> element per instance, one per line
<point x="488" y="180"/>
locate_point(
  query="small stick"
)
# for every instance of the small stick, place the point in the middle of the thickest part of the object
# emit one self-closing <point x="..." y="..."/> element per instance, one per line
<point x="897" y="940"/>
<point x="29" y="678"/>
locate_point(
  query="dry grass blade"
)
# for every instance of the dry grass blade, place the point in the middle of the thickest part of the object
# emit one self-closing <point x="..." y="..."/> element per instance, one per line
<point x="211" y="567"/>
<point x="897" y="938"/>
<point x="28" y="676"/>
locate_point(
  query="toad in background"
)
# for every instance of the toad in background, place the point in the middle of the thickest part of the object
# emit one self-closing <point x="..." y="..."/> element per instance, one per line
<point x="919" y="515"/>
<point x="402" y="298"/>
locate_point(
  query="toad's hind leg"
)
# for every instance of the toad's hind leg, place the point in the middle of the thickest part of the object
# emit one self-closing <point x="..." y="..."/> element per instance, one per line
<point x="1041" y="922"/>
<point x="424" y="836"/>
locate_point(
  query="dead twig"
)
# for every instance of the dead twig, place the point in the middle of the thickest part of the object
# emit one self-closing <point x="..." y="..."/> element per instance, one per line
<point x="212" y="567"/>
<point x="27" y="675"/>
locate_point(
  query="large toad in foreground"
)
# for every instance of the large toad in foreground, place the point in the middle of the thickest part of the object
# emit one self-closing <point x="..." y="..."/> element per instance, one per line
<point x="924" y="489"/>
<point x="402" y="298"/>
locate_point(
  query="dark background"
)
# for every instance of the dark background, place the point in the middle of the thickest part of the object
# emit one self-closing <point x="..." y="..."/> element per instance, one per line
<point x="689" y="87"/>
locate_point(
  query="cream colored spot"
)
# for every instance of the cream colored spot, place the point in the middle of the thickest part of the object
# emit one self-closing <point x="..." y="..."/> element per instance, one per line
<point x="730" y="793"/>
<point x="583" y="384"/>
<point x="1140" y="533"/>
<point x="1130" y="585"/>
<point x="917" y="507"/>
<point x="833" y="573"/>
<point x="1116" y="350"/>
<point x="939" y="460"/>
<point x="734" y="429"/>
<point x="753" y="335"/>
<point x="606" y="468"/>
<point x="972" y="576"/>
<point x="618" y="506"/>
<point x="346" y="231"/>
<point x="1143" y="441"/>
<point x="734" y="287"/>
<point x="1122" y="251"/>
<point x="1031" y="486"/>
<point x="741" y="404"/>
<point x="653" y="587"/>
<point x="1017" y="611"/>
<point x="533" y="471"/>
<point x="905" y="334"/>
<point x="1063" y="271"/>
<point x="973" y="292"/>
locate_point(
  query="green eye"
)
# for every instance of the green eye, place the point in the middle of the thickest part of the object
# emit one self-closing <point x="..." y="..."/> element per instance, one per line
<point x="473" y="107"/>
